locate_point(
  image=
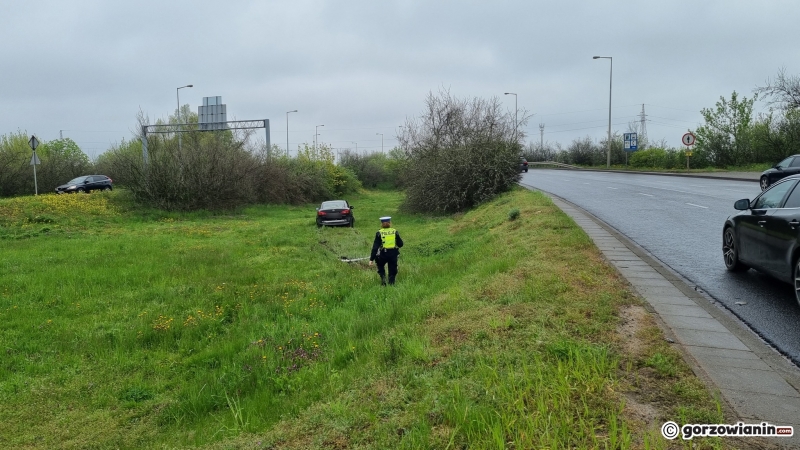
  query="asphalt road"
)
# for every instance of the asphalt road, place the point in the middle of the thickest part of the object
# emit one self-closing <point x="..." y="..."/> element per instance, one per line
<point x="679" y="221"/>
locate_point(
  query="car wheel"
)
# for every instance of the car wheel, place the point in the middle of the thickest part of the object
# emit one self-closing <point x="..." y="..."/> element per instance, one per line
<point x="730" y="252"/>
<point x="797" y="280"/>
<point x="319" y="225"/>
<point x="764" y="183"/>
<point x="80" y="191"/>
<point x="107" y="188"/>
<point x="352" y="223"/>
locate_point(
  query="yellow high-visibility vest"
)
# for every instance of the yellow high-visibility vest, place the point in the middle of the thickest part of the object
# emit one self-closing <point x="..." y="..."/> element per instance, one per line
<point x="387" y="237"/>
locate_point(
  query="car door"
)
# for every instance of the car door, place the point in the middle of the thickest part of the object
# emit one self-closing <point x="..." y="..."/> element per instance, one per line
<point x="754" y="241"/>
<point x="781" y="235"/>
<point x="92" y="185"/>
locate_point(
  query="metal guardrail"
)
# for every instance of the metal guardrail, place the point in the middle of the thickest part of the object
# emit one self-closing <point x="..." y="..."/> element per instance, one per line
<point x="553" y="163"/>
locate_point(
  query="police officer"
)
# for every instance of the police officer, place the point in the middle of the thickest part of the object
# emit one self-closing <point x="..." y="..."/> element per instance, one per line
<point x="385" y="250"/>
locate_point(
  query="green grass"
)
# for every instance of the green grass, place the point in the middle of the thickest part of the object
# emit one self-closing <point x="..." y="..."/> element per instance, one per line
<point x="130" y="328"/>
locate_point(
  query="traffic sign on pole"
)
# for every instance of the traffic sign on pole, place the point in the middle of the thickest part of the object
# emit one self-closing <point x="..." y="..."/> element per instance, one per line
<point x="33" y="142"/>
<point x="688" y="139"/>
<point x="631" y="141"/>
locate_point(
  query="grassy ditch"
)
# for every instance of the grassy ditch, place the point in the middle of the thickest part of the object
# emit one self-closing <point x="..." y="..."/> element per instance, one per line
<point x="125" y="328"/>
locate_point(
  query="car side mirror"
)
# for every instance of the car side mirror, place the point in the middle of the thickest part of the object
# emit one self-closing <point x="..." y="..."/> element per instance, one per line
<point x="85" y="181"/>
<point x="742" y="205"/>
<point x="351" y="206"/>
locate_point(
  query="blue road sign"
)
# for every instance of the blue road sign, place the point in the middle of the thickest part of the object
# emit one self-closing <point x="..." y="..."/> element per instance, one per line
<point x="631" y="141"/>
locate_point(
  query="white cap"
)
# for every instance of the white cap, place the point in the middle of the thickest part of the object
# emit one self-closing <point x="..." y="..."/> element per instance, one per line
<point x="386" y="219"/>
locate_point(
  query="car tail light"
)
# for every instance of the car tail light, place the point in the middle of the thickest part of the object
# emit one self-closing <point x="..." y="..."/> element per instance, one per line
<point x="345" y="211"/>
<point x="321" y="213"/>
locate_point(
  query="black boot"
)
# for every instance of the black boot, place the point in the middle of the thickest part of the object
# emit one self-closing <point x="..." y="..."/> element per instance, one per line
<point x="383" y="280"/>
<point x="391" y="281"/>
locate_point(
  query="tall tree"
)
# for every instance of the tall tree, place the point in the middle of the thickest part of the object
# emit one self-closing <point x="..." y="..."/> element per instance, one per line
<point x="725" y="136"/>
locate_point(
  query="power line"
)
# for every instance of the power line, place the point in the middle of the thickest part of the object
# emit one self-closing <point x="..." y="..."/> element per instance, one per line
<point x="668" y="107"/>
<point x="585" y="110"/>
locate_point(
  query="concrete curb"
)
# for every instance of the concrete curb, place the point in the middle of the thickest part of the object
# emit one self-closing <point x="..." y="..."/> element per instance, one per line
<point x="670" y="174"/>
<point x="755" y="382"/>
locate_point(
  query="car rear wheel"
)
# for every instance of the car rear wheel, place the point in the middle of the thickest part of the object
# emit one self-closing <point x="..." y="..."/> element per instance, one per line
<point x="730" y="252"/>
<point x="764" y="183"/>
<point x="797" y="280"/>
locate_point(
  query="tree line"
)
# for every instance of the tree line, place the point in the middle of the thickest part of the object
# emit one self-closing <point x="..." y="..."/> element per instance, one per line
<point x="731" y="135"/>
<point x="455" y="155"/>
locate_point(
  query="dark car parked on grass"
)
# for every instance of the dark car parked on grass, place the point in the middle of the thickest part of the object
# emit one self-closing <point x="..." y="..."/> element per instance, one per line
<point x="335" y="212"/>
<point x="785" y="168"/>
<point x="86" y="183"/>
<point x="765" y="234"/>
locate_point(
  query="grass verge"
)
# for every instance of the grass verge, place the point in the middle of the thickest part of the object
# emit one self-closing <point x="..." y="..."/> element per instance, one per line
<point x="128" y="329"/>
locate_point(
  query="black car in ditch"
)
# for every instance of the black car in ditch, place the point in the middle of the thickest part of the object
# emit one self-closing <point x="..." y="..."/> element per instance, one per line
<point x="765" y="233"/>
<point x="86" y="183"/>
<point x="787" y="167"/>
<point x="335" y="212"/>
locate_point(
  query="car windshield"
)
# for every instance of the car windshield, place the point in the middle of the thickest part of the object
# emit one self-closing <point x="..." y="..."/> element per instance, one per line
<point x="77" y="180"/>
<point x="334" y="204"/>
<point x="785" y="162"/>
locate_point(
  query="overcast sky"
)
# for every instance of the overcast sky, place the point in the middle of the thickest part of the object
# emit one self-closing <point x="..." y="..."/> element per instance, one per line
<point x="361" y="67"/>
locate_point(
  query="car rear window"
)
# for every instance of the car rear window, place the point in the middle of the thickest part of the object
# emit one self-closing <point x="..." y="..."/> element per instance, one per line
<point x="333" y="205"/>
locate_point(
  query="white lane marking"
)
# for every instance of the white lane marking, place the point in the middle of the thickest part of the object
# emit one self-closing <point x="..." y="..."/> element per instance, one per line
<point x="585" y="183"/>
<point x="692" y="204"/>
<point x="609" y="187"/>
<point x="649" y="195"/>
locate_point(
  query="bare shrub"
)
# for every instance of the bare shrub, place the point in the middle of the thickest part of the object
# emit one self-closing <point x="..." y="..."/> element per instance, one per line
<point x="460" y="153"/>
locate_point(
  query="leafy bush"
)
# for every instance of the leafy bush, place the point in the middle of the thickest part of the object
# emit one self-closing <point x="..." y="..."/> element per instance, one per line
<point x="61" y="161"/>
<point x="513" y="214"/>
<point x="376" y="169"/>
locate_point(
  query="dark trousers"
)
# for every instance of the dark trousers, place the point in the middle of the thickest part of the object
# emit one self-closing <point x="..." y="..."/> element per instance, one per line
<point x="384" y="259"/>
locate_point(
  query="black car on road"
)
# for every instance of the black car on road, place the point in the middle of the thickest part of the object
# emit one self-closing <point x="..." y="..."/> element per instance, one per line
<point x="785" y="168"/>
<point x="765" y="234"/>
<point x="86" y="183"/>
<point x="335" y="212"/>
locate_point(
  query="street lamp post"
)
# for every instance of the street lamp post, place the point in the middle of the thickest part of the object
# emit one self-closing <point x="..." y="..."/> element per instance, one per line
<point x="381" y="140"/>
<point x="610" y="75"/>
<point x="316" y="133"/>
<point x="287" y="132"/>
<point x="515" y="112"/>
<point x="178" y="94"/>
<point x="354" y="142"/>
